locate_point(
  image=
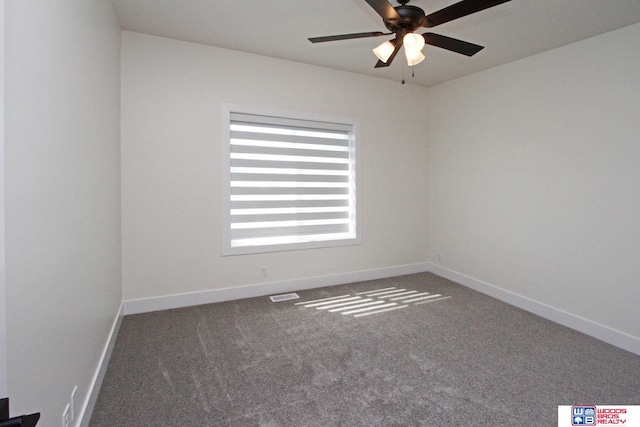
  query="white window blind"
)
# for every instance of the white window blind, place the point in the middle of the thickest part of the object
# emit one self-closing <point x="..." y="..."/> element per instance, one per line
<point x="291" y="182"/>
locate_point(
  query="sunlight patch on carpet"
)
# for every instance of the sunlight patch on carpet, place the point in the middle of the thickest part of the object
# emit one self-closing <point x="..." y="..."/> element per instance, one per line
<point x="371" y="302"/>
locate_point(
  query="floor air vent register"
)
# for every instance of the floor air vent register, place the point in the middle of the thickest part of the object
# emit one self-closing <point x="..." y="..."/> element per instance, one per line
<point x="284" y="297"/>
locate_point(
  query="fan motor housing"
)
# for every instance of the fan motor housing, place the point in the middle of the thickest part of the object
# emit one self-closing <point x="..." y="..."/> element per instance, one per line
<point x="410" y="18"/>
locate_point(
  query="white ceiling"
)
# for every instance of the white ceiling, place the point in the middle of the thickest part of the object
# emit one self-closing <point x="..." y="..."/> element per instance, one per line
<point x="280" y="28"/>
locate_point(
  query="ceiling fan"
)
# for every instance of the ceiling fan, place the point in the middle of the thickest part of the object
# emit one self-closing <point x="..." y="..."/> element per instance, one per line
<point x="404" y="20"/>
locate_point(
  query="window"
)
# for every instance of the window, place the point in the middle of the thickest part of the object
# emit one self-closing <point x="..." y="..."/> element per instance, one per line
<point x="290" y="181"/>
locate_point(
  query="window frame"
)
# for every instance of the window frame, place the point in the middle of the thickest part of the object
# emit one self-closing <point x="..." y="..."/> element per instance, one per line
<point x="355" y="189"/>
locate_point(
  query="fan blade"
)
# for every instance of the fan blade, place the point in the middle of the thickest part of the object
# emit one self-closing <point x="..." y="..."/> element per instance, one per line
<point x="451" y="44"/>
<point x="398" y="44"/>
<point x="347" y="36"/>
<point x="458" y="10"/>
<point x="384" y="9"/>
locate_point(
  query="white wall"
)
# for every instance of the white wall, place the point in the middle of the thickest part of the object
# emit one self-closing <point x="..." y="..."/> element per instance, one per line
<point x="62" y="188"/>
<point x="534" y="178"/>
<point x="171" y="219"/>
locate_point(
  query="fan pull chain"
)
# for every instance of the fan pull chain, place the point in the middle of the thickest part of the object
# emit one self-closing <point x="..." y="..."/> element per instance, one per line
<point x="413" y="73"/>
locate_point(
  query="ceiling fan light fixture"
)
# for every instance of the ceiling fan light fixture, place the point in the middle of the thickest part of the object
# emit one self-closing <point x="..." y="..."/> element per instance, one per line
<point x="403" y="20"/>
<point x="414" y="58"/>
<point x="413" y="42"/>
<point x="384" y="51"/>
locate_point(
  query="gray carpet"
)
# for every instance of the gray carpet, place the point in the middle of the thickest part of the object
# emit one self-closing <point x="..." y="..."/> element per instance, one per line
<point x="454" y="358"/>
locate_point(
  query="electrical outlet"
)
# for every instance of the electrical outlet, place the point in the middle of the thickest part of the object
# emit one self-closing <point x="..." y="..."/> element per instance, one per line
<point x="73" y="402"/>
<point x="66" y="417"/>
<point x="264" y="271"/>
<point x="439" y="256"/>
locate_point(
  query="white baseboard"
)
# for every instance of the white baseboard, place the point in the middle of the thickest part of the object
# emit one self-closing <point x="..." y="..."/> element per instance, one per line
<point x="84" y="414"/>
<point x="167" y="302"/>
<point x="580" y="324"/>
